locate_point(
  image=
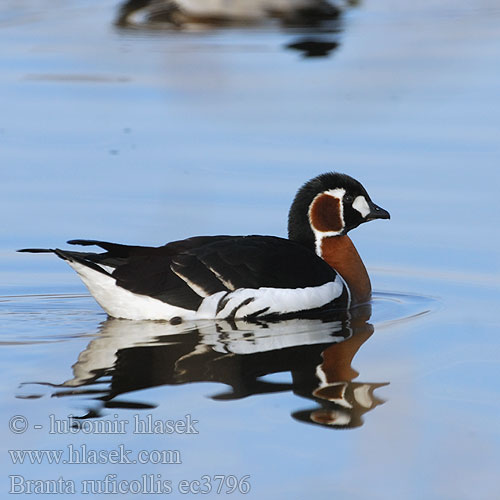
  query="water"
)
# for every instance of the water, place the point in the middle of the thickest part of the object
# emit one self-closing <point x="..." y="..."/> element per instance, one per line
<point x="142" y="134"/>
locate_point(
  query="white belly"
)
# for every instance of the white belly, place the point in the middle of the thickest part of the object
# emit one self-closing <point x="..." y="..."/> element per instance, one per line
<point x="121" y="303"/>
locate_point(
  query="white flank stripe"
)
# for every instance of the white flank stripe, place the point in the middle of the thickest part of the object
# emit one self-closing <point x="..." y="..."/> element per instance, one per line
<point x="280" y="300"/>
<point x="121" y="303"/>
<point x="196" y="289"/>
<point x="108" y="269"/>
<point x="240" y="9"/>
<point x="226" y="283"/>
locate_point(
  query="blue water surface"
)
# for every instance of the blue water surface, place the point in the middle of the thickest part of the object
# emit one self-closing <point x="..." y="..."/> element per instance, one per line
<point x="146" y="134"/>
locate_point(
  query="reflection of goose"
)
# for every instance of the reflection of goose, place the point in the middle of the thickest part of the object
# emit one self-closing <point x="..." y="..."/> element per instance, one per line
<point x="236" y="337"/>
<point x="317" y="354"/>
<point x="251" y="277"/>
<point x="314" y="47"/>
<point x="183" y="13"/>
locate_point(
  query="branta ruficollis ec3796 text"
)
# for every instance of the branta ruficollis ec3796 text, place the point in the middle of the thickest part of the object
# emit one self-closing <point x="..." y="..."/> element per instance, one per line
<point x="206" y="277"/>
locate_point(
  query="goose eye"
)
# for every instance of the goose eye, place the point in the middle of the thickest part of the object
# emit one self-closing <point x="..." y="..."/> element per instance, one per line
<point x="348" y="198"/>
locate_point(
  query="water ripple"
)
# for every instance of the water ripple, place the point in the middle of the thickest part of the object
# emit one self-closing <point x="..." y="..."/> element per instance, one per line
<point x="34" y="319"/>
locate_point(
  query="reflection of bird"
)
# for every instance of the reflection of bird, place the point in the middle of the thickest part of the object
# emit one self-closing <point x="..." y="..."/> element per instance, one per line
<point x="182" y="13"/>
<point x="128" y="356"/>
<point x="313" y="47"/>
<point x="192" y="346"/>
<point x="252" y="277"/>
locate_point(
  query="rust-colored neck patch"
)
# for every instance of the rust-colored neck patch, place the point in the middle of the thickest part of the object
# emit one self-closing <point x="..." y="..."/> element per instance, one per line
<point x="325" y="214"/>
<point x="341" y="254"/>
<point x="337" y="358"/>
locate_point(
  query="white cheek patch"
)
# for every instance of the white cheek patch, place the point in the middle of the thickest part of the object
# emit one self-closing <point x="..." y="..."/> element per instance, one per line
<point x="361" y="205"/>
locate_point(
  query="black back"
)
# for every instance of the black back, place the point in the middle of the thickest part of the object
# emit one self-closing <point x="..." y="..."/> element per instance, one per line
<point x="183" y="272"/>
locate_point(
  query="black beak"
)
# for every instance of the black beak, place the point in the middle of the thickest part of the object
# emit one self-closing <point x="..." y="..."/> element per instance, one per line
<point x="377" y="212"/>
